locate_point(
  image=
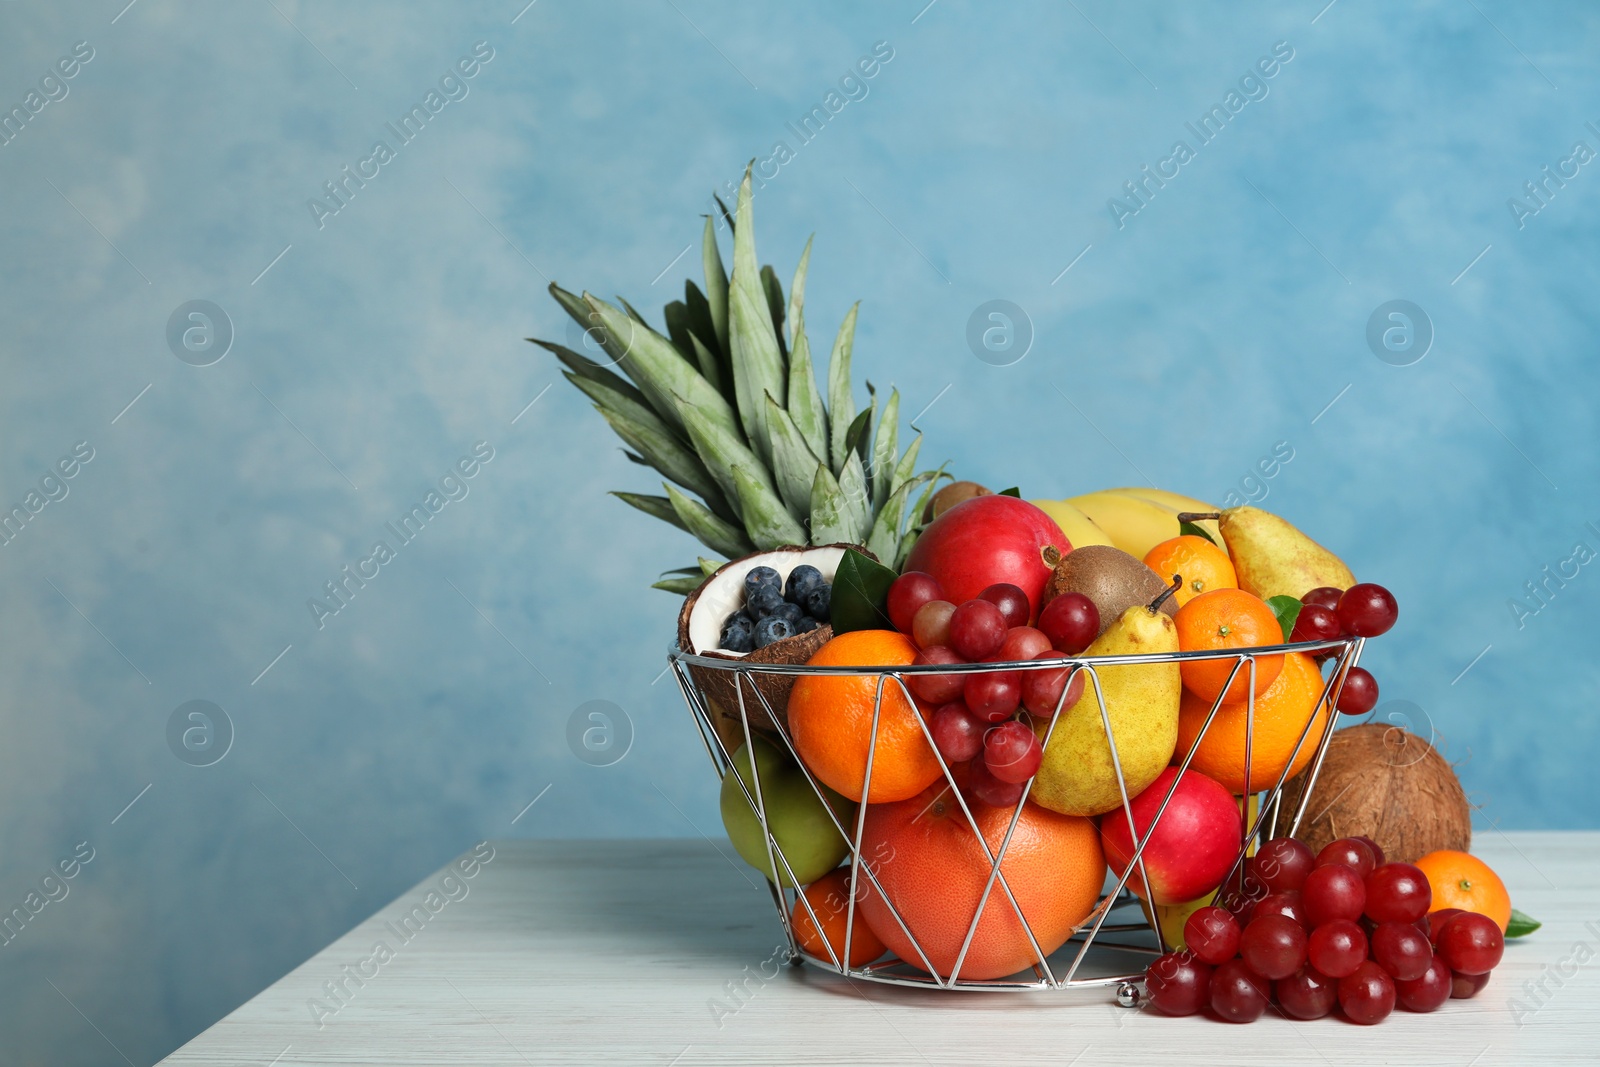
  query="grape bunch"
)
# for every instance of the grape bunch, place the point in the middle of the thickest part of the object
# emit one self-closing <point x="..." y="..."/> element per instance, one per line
<point x="774" y="609"/>
<point x="1310" y="933"/>
<point x="982" y="719"/>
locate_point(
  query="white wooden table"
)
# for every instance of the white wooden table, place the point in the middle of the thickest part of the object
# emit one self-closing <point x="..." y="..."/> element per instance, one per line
<point x="625" y="952"/>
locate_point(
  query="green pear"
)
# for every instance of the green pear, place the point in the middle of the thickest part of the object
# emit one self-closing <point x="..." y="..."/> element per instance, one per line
<point x="801" y="829"/>
<point x="1273" y="558"/>
<point x="1173" y="917"/>
<point x="1077" y="776"/>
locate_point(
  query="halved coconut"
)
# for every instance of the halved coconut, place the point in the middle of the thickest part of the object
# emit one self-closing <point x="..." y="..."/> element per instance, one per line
<point x="700" y="629"/>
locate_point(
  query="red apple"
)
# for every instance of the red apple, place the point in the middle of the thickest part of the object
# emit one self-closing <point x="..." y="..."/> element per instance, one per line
<point x="986" y="540"/>
<point x="1192" y="848"/>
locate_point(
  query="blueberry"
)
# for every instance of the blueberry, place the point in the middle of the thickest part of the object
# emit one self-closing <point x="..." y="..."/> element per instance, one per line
<point x="764" y="601"/>
<point x="806" y="624"/>
<point x="818" y="601"/>
<point x="801" y="580"/>
<point x="773" y="628"/>
<point x="738" y="633"/>
<point x="793" y="612"/>
<point x="759" y="578"/>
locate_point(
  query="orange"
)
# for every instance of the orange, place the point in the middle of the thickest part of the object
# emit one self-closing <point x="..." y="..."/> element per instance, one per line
<point x="829" y="897"/>
<point x="1224" y="619"/>
<point x="1203" y="565"/>
<point x="1281" y="714"/>
<point x="934" y="872"/>
<point x="1462" y="880"/>
<point x="830" y="720"/>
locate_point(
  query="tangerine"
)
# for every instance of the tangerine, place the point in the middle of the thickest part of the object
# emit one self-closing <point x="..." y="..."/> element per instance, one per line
<point x="829" y="897"/>
<point x="934" y="872"/>
<point x="1222" y="619"/>
<point x="1203" y="565"/>
<point x="1281" y="714"/>
<point x="1462" y="880"/>
<point x="830" y="720"/>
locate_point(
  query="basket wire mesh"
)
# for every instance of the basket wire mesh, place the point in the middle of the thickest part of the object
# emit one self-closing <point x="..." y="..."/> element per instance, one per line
<point x="1345" y="653"/>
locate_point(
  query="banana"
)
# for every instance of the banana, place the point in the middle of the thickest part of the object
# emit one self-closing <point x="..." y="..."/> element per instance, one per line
<point x="1134" y="525"/>
<point x="1079" y="528"/>
<point x="1175" y="503"/>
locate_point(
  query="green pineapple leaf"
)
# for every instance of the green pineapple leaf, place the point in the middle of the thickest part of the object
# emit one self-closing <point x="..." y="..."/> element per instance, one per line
<point x="884" y="540"/>
<point x="797" y="296"/>
<point x="805" y="403"/>
<point x="716" y="284"/>
<point x="766" y="519"/>
<point x="721" y="450"/>
<point x="578" y="363"/>
<point x="841" y="404"/>
<point x="660" y="370"/>
<point x="714" y="533"/>
<point x="885" y="446"/>
<point x="658" y="507"/>
<point x="831" y="518"/>
<point x="757" y="361"/>
<point x="682" y="585"/>
<point x="774" y="291"/>
<point x="857" y="496"/>
<point x="708" y="567"/>
<point x="707" y="361"/>
<point x="793" y="463"/>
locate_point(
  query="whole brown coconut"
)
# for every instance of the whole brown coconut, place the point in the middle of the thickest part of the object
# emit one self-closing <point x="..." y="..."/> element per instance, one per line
<point x="700" y="627"/>
<point x="1110" y="577"/>
<point x="951" y="495"/>
<point x="1385" y="783"/>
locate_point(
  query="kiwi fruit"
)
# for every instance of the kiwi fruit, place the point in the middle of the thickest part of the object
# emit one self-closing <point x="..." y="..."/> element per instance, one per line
<point x="1110" y="577"/>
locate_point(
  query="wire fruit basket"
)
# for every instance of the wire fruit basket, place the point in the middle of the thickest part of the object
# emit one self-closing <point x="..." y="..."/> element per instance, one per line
<point x="1115" y="933"/>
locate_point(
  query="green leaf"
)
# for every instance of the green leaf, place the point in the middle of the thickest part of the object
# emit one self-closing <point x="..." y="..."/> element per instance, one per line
<point x="841" y="404"/>
<point x="655" y="365"/>
<point x="1013" y="491"/>
<point x="676" y="315"/>
<point x="1521" y="925"/>
<point x="721" y="450"/>
<point x="1287" y="609"/>
<point x="832" y="520"/>
<point x="655" y="506"/>
<point x="633" y="312"/>
<point x="860" y="590"/>
<point x="884" y="540"/>
<point x="757" y="361"/>
<point x="794" y="465"/>
<point x="885" y="446"/>
<point x="797" y="294"/>
<point x="865" y="437"/>
<point x="805" y="403"/>
<point x="859" y="428"/>
<point x="766" y="520"/>
<point x="714" y="533"/>
<point x="716" y="283"/>
<point x="857" y="496"/>
<point x="708" y="363"/>
<point x="908" y="461"/>
<point x="708" y="567"/>
<point x="1189" y="528"/>
<point x="774" y="290"/>
<point x="682" y="586"/>
<point x="582" y="365"/>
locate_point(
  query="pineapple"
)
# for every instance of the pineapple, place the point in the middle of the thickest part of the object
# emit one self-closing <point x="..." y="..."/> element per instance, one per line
<point x="726" y="407"/>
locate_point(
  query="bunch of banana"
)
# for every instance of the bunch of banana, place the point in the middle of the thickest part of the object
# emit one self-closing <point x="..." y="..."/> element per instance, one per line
<point x="1132" y="519"/>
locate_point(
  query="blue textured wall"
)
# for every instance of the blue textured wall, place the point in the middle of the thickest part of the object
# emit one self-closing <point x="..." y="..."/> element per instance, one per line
<point x="1222" y="317"/>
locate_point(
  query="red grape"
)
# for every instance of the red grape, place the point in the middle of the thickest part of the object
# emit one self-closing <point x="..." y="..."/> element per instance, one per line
<point x="1398" y="893"/>
<point x="1022" y="642"/>
<point x="1287" y="904"/>
<point x="1178" y="983"/>
<point x="1307" y="994"/>
<point x="1324" y="596"/>
<point x="1367" y="995"/>
<point x="1367" y="610"/>
<point x="993" y="696"/>
<point x="977" y="630"/>
<point x="1282" y="863"/>
<point x="936" y="688"/>
<point x="982" y="784"/>
<point x="1273" y="946"/>
<point x="1212" y="934"/>
<point x="1426" y="991"/>
<point x="1238" y="994"/>
<point x="1402" y="950"/>
<point x="1011" y="752"/>
<point x="1436" y="921"/>
<point x="1352" y="852"/>
<point x="1041" y="690"/>
<point x="1377" y="851"/>
<point x="1011" y="600"/>
<point x="1071" y="621"/>
<point x="908" y="593"/>
<point x="931" y="624"/>
<point x="1337" y="948"/>
<point x="1333" y="892"/>
<point x="1360" y="692"/>
<point x="956" y="734"/>
<point x="1315" y="623"/>
<point x="1471" y="943"/>
<point x="1466" y="986"/>
<point x="1242" y="899"/>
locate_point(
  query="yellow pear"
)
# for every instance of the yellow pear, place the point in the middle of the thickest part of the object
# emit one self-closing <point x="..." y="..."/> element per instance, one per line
<point x="1077" y="776"/>
<point x="1273" y="558"/>
<point x="1079" y="528"/>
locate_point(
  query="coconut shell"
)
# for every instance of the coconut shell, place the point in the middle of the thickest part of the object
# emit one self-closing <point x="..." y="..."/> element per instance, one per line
<point x="1382" y="782"/>
<point x="721" y="688"/>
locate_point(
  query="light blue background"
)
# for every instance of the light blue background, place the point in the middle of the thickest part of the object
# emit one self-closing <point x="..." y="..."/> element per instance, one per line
<point x="1222" y="319"/>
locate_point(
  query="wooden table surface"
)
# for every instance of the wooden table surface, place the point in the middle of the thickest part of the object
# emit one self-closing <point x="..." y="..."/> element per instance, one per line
<point x="625" y="952"/>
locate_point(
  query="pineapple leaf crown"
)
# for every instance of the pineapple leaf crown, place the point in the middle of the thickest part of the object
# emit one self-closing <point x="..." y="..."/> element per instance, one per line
<point x="726" y="407"/>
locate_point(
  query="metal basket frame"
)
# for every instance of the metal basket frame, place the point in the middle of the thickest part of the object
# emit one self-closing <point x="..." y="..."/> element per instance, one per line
<point x="1346" y="651"/>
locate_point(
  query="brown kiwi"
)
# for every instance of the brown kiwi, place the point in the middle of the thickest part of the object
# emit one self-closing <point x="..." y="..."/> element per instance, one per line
<point x="1110" y="577"/>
